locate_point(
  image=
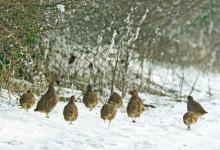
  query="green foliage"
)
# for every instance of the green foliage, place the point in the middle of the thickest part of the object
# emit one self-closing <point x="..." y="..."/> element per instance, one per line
<point x="6" y="58"/>
<point x="30" y="25"/>
<point x="201" y="20"/>
<point x="4" y="61"/>
<point x="18" y="55"/>
<point x="62" y="99"/>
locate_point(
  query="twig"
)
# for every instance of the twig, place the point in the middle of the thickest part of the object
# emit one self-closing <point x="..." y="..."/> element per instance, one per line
<point x="149" y="105"/>
<point x="79" y="97"/>
<point x="209" y="88"/>
<point x="9" y="94"/>
<point x="181" y="86"/>
<point x="163" y="84"/>
<point x="114" y="72"/>
<point x="194" y="84"/>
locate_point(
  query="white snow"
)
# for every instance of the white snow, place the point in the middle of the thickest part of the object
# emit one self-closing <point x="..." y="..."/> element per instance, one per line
<point x="61" y="8"/>
<point x="157" y="129"/>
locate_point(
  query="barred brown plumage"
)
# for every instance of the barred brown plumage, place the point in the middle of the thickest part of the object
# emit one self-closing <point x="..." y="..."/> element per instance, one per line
<point x="90" y="98"/>
<point x="194" y="106"/>
<point x="135" y="106"/>
<point x="108" y="111"/>
<point x="27" y="100"/>
<point x="190" y="118"/>
<point x="48" y="101"/>
<point x="116" y="99"/>
<point x="70" y="111"/>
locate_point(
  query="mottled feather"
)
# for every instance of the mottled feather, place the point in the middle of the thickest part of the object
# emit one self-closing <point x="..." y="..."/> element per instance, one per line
<point x="90" y="98"/>
<point x="48" y="101"/>
<point x="135" y="106"/>
<point x="70" y="111"/>
<point x="190" y="118"/>
<point x="116" y="99"/>
<point x="108" y="111"/>
<point x="195" y="106"/>
<point x="27" y="100"/>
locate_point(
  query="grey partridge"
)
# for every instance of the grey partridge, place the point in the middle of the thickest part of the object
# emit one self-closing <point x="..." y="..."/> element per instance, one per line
<point x="194" y="106"/>
<point x="190" y="118"/>
<point x="116" y="99"/>
<point x="70" y="111"/>
<point x="108" y="111"/>
<point x="135" y="106"/>
<point x="48" y="101"/>
<point x="90" y="98"/>
<point x="27" y="100"/>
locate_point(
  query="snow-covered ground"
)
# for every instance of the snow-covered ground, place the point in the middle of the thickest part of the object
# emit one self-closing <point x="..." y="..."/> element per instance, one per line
<point x="161" y="128"/>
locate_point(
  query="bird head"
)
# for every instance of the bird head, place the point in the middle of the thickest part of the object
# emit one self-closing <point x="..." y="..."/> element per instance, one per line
<point x="53" y="82"/>
<point x="28" y="91"/>
<point x="133" y="93"/>
<point x="72" y="98"/>
<point x="189" y="97"/>
<point x="89" y="88"/>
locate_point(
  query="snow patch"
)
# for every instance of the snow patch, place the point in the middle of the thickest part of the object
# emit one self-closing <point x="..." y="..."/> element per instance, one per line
<point x="61" y="8"/>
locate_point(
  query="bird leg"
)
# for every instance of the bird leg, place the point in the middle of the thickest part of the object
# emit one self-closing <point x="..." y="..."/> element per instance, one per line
<point x="109" y="124"/>
<point x="133" y="120"/>
<point x="188" y="128"/>
<point x="90" y="109"/>
<point x="47" y="115"/>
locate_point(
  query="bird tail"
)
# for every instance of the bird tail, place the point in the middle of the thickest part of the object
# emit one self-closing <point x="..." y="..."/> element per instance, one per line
<point x="36" y="109"/>
<point x="147" y="105"/>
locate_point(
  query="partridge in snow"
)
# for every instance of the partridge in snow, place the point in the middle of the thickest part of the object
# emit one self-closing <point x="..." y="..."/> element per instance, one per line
<point x="108" y="111"/>
<point x="116" y="99"/>
<point x="27" y="100"/>
<point x="190" y="118"/>
<point x="90" y="98"/>
<point x="70" y="111"/>
<point x="194" y="106"/>
<point x="135" y="106"/>
<point x="48" y="101"/>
